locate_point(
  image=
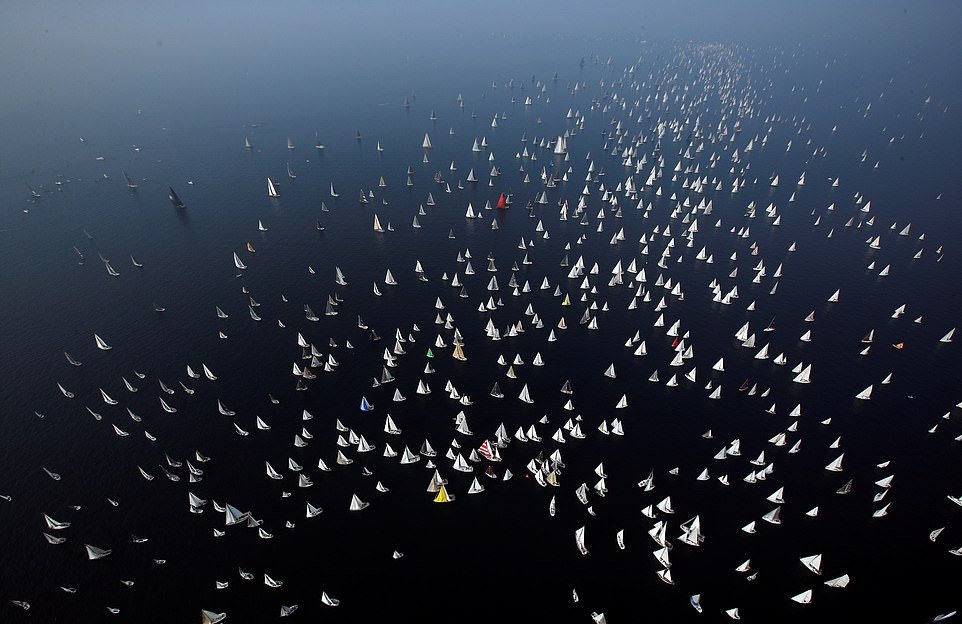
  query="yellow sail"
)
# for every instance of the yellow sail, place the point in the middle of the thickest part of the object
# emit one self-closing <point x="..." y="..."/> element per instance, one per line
<point x="459" y="353"/>
<point x="567" y="301"/>
<point x="442" y="496"/>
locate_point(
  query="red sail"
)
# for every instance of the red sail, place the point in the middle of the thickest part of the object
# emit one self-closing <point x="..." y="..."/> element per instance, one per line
<point x="502" y="204"/>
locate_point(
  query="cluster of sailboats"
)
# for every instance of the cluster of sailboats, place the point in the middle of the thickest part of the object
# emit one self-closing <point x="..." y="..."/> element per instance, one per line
<point x="671" y="199"/>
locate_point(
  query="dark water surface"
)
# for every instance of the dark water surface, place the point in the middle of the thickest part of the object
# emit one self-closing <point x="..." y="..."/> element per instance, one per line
<point x="169" y="96"/>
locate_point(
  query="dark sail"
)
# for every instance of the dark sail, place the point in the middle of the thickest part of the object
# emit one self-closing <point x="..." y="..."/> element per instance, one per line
<point x="174" y="199"/>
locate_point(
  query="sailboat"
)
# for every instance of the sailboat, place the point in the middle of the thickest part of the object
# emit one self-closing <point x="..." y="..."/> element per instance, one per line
<point x="328" y="600"/>
<point x="803" y="598"/>
<point x="813" y="563"/>
<point x="271" y="189"/>
<point x="580" y="541"/>
<point x="174" y="199"/>
<point x="270" y="582"/>
<point x="443" y="496"/>
<point x="839" y="582"/>
<point x="357" y="504"/>
<point x="96" y="553"/>
<point x="210" y="617"/>
<point x="103" y="346"/>
<point x="130" y="183"/>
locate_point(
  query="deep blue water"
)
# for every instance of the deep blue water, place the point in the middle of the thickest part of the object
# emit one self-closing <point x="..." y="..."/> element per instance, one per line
<point x="184" y="87"/>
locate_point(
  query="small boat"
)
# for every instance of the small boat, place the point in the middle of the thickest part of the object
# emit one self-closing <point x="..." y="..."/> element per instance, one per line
<point x="210" y="617"/>
<point x="175" y="199"/>
<point x="328" y="600"/>
<point x="580" y="541"/>
<point x="96" y="553"/>
<point x="130" y="183"/>
<point x="803" y="598"/>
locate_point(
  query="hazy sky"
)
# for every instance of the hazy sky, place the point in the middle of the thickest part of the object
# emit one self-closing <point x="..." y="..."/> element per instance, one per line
<point x="53" y="41"/>
<point x="66" y="63"/>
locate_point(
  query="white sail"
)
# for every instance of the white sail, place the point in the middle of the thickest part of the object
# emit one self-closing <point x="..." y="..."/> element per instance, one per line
<point x="580" y="541"/>
<point x="270" y="582"/>
<point x="328" y="600"/>
<point x="54" y="524"/>
<point x="357" y="504"/>
<point x="273" y="474"/>
<point x="525" y="396"/>
<point x="813" y="563"/>
<point x="803" y="598"/>
<point x="210" y="617"/>
<point x="839" y="582"/>
<point x="234" y="515"/>
<point x="836" y="464"/>
<point x="96" y="553"/>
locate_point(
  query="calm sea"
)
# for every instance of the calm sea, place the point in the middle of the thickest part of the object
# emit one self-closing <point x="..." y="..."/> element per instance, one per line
<point x="170" y="99"/>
